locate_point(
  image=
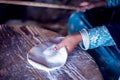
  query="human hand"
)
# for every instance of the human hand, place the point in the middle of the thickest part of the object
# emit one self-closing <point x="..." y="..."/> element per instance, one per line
<point x="89" y="5"/>
<point x="85" y="6"/>
<point x="69" y="42"/>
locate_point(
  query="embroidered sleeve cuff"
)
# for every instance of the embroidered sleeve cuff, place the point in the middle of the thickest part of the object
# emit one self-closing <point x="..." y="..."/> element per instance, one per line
<point x="85" y="39"/>
<point x="100" y="36"/>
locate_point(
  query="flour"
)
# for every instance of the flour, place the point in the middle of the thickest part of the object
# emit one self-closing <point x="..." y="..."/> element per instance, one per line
<point x="46" y="58"/>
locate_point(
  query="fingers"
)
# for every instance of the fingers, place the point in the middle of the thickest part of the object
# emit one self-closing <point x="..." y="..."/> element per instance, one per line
<point x="58" y="46"/>
<point x="56" y="40"/>
<point x="84" y="4"/>
<point x="81" y="9"/>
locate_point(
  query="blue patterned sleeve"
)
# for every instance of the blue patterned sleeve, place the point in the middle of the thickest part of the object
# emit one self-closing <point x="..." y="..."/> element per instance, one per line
<point x="100" y="36"/>
<point x="113" y="3"/>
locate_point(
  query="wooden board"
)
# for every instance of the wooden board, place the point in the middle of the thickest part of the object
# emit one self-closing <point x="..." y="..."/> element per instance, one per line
<point x="16" y="41"/>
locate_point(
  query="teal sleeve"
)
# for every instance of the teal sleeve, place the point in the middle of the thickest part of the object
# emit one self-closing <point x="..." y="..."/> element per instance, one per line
<point x="100" y="36"/>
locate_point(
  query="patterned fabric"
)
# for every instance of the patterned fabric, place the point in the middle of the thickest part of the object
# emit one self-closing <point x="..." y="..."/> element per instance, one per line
<point x="107" y="57"/>
<point x="77" y="23"/>
<point x="113" y="3"/>
<point x="100" y="36"/>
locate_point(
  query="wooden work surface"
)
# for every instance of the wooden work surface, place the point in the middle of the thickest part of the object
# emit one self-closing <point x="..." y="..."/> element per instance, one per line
<point x="16" y="41"/>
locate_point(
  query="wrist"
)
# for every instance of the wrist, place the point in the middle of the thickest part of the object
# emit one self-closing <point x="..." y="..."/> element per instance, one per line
<point x="77" y="37"/>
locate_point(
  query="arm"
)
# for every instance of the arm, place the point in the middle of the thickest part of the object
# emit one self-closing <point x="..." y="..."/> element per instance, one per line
<point x="97" y="37"/>
<point x="69" y="42"/>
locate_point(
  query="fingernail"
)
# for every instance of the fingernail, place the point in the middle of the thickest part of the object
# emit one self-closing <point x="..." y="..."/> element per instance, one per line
<point x="55" y="48"/>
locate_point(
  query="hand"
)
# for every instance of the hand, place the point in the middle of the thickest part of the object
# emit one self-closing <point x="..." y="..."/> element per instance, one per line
<point x="69" y="42"/>
<point x="85" y="6"/>
<point x="89" y="5"/>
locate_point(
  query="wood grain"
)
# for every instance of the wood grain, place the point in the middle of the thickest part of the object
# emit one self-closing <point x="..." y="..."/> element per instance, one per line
<point x="16" y="41"/>
<point x="39" y="4"/>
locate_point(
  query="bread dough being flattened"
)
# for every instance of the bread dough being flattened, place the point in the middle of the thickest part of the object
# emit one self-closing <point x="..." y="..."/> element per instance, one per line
<point x="45" y="58"/>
